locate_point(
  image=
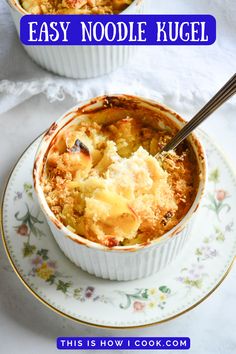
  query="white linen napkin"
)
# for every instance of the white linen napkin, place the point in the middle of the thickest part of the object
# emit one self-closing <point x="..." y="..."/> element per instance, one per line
<point x="184" y="77"/>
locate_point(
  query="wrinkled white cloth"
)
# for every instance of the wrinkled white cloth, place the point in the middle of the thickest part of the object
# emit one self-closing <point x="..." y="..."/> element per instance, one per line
<point x="184" y="77"/>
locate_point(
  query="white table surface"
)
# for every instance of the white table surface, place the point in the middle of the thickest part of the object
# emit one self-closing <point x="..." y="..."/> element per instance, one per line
<point x="27" y="326"/>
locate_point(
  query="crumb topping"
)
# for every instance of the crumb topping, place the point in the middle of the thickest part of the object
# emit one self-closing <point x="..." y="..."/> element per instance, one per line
<point x="104" y="183"/>
<point x="75" y="6"/>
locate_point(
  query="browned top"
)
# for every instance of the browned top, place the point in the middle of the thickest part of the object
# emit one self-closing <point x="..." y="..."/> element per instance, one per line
<point x="87" y="155"/>
<point x="75" y="6"/>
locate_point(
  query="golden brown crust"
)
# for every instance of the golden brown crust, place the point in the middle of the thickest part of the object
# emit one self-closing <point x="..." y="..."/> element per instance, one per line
<point x="109" y="188"/>
<point x="75" y="6"/>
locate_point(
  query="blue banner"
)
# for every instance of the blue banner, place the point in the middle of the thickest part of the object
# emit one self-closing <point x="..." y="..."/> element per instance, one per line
<point x="123" y="343"/>
<point x="118" y="30"/>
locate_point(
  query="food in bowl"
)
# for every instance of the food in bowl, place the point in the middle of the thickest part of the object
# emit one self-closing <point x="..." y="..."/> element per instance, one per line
<point x="103" y="181"/>
<point x="76" y="61"/>
<point x="111" y="206"/>
<point x="75" y="6"/>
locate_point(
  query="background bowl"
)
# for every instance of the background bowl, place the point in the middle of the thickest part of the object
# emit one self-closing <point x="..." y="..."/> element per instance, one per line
<point x="121" y="262"/>
<point x="78" y="62"/>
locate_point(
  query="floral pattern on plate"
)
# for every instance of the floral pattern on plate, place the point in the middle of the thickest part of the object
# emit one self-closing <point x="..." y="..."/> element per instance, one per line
<point x="175" y="289"/>
<point x="44" y="267"/>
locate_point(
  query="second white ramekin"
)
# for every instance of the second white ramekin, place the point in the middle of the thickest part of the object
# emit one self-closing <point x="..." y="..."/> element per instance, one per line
<point x="124" y="262"/>
<point x="78" y="62"/>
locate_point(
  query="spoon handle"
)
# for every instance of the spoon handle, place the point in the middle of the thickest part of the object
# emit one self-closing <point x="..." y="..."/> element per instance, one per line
<point x="227" y="91"/>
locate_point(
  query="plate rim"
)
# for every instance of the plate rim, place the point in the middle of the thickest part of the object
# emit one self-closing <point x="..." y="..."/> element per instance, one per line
<point x="65" y="315"/>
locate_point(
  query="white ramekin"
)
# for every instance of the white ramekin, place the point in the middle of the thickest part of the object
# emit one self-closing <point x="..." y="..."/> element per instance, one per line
<point x="78" y="62"/>
<point x="129" y="262"/>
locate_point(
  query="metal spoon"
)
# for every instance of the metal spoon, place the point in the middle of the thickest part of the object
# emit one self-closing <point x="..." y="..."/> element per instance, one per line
<point x="227" y="91"/>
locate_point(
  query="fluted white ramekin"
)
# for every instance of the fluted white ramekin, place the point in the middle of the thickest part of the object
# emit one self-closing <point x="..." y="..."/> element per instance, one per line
<point x="78" y="62"/>
<point x="122" y="262"/>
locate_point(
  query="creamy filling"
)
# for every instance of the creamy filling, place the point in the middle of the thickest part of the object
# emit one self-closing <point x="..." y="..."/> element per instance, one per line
<point x="105" y="184"/>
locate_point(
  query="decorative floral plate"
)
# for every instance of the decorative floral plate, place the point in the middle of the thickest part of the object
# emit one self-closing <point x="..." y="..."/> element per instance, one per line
<point x="54" y="280"/>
